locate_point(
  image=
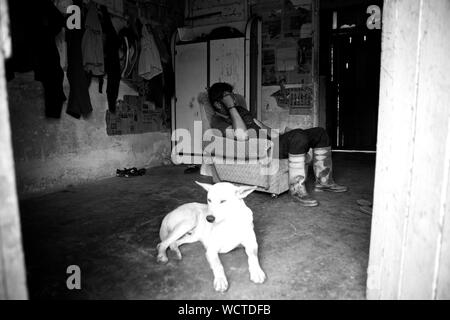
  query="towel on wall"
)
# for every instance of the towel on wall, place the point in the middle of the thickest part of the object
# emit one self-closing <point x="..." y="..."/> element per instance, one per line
<point x="92" y="43"/>
<point x="149" y="59"/>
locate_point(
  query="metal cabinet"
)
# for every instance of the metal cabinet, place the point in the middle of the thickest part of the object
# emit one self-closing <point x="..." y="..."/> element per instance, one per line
<point x="191" y="78"/>
<point x="198" y="66"/>
<point x="227" y="63"/>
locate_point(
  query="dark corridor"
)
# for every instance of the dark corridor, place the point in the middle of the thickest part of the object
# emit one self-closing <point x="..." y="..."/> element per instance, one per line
<point x="351" y="62"/>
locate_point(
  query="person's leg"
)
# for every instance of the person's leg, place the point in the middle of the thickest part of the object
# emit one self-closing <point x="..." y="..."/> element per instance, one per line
<point x="322" y="162"/>
<point x="294" y="145"/>
<point x="317" y="137"/>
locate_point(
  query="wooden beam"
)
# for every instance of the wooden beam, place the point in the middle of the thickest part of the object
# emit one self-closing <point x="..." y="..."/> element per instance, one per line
<point x="395" y="142"/>
<point x="432" y="143"/>
<point x="410" y="249"/>
<point x="315" y="64"/>
<point x="12" y="270"/>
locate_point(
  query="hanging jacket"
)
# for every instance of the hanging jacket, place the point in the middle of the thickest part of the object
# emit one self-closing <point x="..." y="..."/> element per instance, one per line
<point x="92" y="43"/>
<point x="149" y="59"/>
<point x="79" y="103"/>
<point x="112" y="61"/>
<point x="33" y="37"/>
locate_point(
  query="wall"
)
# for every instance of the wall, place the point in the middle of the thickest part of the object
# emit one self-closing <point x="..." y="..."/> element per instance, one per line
<point x="213" y="12"/>
<point x="410" y="241"/>
<point x="288" y="36"/>
<point x="201" y="17"/>
<point x="51" y="154"/>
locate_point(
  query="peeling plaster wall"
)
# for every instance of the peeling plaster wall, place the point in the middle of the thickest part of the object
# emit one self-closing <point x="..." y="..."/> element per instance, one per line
<point x="51" y="154"/>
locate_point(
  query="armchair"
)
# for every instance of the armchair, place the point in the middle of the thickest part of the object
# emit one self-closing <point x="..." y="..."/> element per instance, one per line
<point x="248" y="162"/>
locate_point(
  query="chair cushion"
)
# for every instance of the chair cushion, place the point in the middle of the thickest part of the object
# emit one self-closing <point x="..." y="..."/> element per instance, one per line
<point x="225" y="148"/>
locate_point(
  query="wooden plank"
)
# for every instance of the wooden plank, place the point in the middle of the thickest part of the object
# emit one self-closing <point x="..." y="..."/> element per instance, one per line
<point x="410" y="245"/>
<point x="315" y="62"/>
<point x="424" y="229"/>
<point x="442" y="281"/>
<point x="12" y="271"/>
<point x="395" y="146"/>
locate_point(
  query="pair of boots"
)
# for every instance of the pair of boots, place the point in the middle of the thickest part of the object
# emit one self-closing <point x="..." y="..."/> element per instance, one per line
<point x="298" y="172"/>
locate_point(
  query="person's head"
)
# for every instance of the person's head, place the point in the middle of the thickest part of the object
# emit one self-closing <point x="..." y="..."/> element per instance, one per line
<point x="221" y="96"/>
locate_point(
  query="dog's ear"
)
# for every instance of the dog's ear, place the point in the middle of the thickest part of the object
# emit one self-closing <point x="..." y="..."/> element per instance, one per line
<point x="244" y="191"/>
<point x="205" y="186"/>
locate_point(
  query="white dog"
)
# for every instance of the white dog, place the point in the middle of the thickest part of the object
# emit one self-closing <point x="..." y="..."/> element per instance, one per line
<point x="221" y="225"/>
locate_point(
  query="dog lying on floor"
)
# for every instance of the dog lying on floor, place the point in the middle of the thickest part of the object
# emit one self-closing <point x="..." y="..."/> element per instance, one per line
<point x="221" y="225"/>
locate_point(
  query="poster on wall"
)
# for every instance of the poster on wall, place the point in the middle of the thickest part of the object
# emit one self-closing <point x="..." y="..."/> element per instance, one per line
<point x="287" y="41"/>
<point x="133" y="116"/>
<point x="305" y="56"/>
<point x="287" y="58"/>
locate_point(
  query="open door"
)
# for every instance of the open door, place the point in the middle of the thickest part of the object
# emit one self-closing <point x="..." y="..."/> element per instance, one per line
<point x="355" y="84"/>
<point x="350" y="69"/>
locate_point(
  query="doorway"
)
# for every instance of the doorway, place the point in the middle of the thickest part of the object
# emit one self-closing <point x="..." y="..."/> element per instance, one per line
<point x="350" y="62"/>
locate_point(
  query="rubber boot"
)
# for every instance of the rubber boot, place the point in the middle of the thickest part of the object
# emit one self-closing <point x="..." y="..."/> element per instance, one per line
<point x="323" y="170"/>
<point x="298" y="172"/>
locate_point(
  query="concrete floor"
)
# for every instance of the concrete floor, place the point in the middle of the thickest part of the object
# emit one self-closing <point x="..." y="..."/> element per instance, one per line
<point x="110" y="229"/>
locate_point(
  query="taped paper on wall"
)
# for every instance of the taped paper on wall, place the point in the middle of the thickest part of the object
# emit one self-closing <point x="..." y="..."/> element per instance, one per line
<point x="133" y="116"/>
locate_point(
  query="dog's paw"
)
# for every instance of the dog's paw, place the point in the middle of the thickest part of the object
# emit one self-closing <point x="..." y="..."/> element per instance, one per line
<point x="178" y="255"/>
<point x="257" y="276"/>
<point x="162" y="259"/>
<point x="177" y="252"/>
<point x="220" y="284"/>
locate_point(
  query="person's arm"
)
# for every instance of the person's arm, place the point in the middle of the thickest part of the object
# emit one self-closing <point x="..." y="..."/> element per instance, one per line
<point x="240" y="129"/>
<point x="262" y="125"/>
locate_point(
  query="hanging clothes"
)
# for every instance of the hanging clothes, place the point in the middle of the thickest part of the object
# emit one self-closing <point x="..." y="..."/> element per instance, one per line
<point x="23" y="37"/>
<point x="112" y="61"/>
<point x="129" y="52"/>
<point x="48" y="67"/>
<point x="61" y="44"/>
<point x="149" y="59"/>
<point x="92" y="43"/>
<point x="33" y="33"/>
<point x="162" y="46"/>
<point x="79" y="101"/>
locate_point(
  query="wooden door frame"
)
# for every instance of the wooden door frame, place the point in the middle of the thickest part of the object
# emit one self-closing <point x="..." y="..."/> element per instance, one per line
<point x="410" y="238"/>
<point x="12" y="267"/>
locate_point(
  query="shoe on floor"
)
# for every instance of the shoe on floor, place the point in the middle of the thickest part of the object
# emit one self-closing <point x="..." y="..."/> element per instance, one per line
<point x="132" y="172"/>
<point x="366" y="210"/>
<point x="305" y="200"/>
<point x="364" y="203"/>
<point x="192" y="169"/>
<point x="333" y="187"/>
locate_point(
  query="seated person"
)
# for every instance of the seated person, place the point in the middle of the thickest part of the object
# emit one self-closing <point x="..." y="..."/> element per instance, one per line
<point x="293" y="144"/>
